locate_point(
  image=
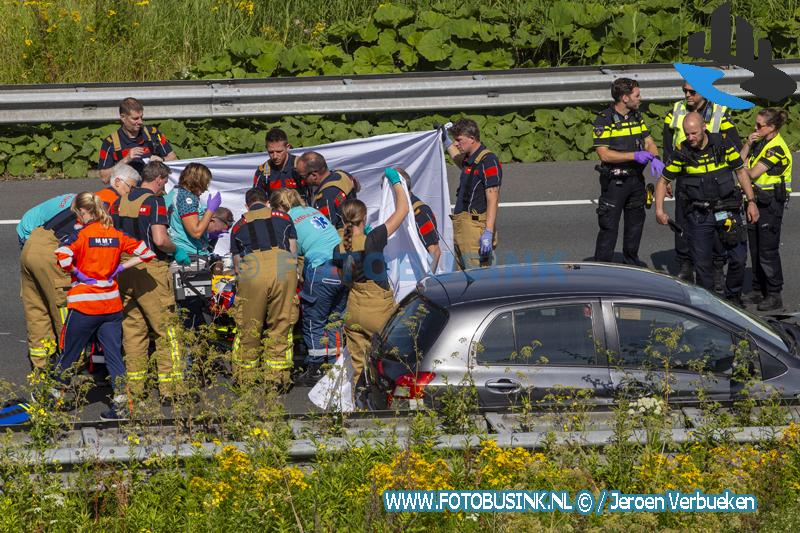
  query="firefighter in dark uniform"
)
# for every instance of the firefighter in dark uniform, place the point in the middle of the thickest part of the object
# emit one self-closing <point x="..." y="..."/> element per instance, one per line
<point x="706" y="164"/>
<point x="478" y="195"/>
<point x="425" y="221"/>
<point x="263" y="244"/>
<point x="279" y="171"/>
<point x="146" y="289"/>
<point x="717" y="120"/>
<point x="624" y="146"/>
<point x="329" y="188"/>
<point x="363" y="268"/>
<point x="769" y="165"/>
<point x="133" y="141"/>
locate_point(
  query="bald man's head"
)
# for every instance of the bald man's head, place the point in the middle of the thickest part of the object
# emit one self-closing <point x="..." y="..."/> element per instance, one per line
<point x="695" y="129"/>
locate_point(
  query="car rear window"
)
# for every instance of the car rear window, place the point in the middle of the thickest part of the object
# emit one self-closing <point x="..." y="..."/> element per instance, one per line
<point x="412" y="330"/>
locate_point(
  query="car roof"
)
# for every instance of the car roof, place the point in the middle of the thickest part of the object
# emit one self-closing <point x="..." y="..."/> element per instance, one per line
<point x="550" y="280"/>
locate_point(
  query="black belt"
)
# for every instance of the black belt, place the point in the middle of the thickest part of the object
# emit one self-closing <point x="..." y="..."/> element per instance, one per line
<point x="715" y="206"/>
<point x="620" y="172"/>
<point x="476" y="218"/>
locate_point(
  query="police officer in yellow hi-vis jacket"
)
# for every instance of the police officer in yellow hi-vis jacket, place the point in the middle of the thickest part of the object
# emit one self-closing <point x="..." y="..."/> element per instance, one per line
<point x="718" y="121"/>
<point x="769" y="165"/>
<point x="709" y="167"/>
<point x="264" y="244"/>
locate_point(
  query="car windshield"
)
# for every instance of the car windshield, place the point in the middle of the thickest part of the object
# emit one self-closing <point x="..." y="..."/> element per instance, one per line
<point x="412" y="330"/>
<point x="703" y="299"/>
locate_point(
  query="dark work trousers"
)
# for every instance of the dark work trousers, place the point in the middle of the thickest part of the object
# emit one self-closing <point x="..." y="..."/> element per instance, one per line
<point x="323" y="301"/>
<point x="78" y="329"/>
<point x="620" y="196"/>
<point x="765" y="240"/>
<point x="682" y="241"/>
<point x="702" y="229"/>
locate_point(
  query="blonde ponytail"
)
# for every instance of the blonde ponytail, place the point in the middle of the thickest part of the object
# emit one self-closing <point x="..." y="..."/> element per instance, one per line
<point x="94" y="205"/>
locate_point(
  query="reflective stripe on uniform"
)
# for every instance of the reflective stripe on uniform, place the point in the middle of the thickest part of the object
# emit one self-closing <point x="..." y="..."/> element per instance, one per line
<point x="679" y="112"/>
<point x="286" y="362"/>
<point x="624" y="131"/>
<point x="137" y="376"/>
<point x="170" y="377"/>
<point x="92" y="297"/>
<point x="174" y="349"/>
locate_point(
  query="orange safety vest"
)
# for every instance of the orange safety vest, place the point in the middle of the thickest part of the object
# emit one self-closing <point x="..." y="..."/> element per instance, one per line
<point x="96" y="252"/>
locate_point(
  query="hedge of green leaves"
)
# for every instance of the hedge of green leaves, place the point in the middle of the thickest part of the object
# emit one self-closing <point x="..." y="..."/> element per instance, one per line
<point x="399" y="39"/>
<point x="525" y="135"/>
<point x="524" y="34"/>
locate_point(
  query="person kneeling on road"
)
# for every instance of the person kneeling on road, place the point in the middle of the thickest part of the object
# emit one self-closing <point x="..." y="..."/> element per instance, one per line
<point x="263" y="244"/>
<point x="324" y="296"/>
<point x="93" y="301"/>
<point x="363" y="265"/>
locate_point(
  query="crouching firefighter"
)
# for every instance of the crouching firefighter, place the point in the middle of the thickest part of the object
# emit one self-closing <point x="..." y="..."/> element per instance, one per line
<point x="704" y="166"/>
<point x="263" y="244"/>
<point x="146" y="289"/>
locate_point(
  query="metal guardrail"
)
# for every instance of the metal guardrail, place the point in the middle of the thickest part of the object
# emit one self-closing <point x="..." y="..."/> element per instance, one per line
<point x="109" y="444"/>
<point x="301" y="450"/>
<point x="356" y="94"/>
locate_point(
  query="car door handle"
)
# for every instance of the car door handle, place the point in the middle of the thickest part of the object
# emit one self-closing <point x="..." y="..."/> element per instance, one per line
<point x="637" y="387"/>
<point x="504" y="385"/>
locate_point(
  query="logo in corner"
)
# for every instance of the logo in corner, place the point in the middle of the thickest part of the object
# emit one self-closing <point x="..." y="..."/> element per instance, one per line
<point x="768" y="82"/>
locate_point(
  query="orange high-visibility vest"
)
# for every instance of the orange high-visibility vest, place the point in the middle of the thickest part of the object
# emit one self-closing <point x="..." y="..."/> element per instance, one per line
<point x="96" y="253"/>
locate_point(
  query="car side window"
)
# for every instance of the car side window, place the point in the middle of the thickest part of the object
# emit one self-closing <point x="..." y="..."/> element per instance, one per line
<point x="559" y="335"/>
<point x="497" y="343"/>
<point x="652" y="338"/>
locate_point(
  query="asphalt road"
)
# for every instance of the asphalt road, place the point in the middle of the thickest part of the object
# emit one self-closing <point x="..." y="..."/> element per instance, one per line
<point x="561" y="225"/>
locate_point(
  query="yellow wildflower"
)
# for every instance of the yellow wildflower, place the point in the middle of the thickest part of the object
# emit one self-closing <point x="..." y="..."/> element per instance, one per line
<point x="143" y="3"/>
<point x="76" y="16"/>
<point x="28" y="42"/>
<point x="51" y="28"/>
<point x="111" y="12"/>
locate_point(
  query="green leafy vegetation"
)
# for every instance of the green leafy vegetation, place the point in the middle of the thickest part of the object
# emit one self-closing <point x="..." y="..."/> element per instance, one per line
<point x="527" y="135"/>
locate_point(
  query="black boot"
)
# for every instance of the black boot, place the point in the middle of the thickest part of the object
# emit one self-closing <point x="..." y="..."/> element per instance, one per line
<point x="686" y="272"/>
<point x="719" y="278"/>
<point x="310" y="376"/>
<point x="771" y="302"/>
<point x="753" y="297"/>
<point x="736" y="299"/>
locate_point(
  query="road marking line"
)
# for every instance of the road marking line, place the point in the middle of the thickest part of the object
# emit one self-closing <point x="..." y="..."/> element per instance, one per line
<point x="550" y="203"/>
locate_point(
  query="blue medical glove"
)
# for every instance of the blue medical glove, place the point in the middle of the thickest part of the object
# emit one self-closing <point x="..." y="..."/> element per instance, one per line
<point x="214" y="202"/>
<point x="116" y="272"/>
<point x="182" y="258"/>
<point x="486" y="242"/>
<point x="392" y="175"/>
<point x="642" y="157"/>
<point x="83" y="278"/>
<point x="656" y="167"/>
